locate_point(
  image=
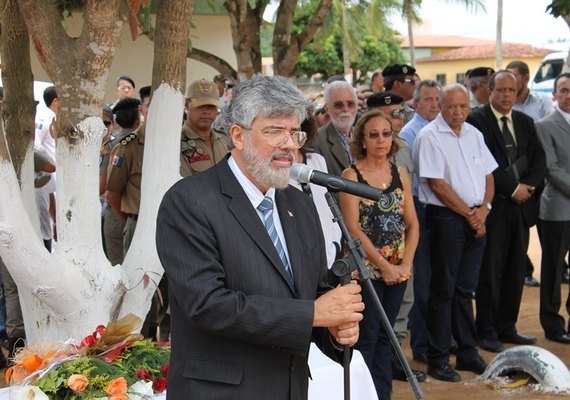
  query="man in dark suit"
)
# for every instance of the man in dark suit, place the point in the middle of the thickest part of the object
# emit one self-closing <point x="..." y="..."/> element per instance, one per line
<point x="248" y="287"/>
<point x="511" y="138"/>
<point x="332" y="139"/>
<point x="554" y="133"/>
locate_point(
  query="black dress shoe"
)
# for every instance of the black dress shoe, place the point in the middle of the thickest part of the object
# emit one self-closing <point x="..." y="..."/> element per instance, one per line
<point x="399" y="374"/>
<point x="492" y="345"/>
<point x="559" y="337"/>
<point x="531" y="282"/>
<point x="443" y="372"/>
<point x="517" y="338"/>
<point x="477" y="365"/>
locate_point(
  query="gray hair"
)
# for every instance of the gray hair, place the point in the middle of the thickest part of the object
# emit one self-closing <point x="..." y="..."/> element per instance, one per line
<point x="450" y="88"/>
<point x="267" y="96"/>
<point x="425" y="83"/>
<point x="337" y="85"/>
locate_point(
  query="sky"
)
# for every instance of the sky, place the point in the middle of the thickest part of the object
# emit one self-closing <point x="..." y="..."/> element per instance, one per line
<point x="524" y="21"/>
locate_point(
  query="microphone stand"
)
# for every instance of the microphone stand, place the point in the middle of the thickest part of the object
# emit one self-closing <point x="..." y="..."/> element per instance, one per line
<point x="356" y="262"/>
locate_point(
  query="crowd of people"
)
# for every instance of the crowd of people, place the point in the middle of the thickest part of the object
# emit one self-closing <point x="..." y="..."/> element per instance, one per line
<point x="465" y="170"/>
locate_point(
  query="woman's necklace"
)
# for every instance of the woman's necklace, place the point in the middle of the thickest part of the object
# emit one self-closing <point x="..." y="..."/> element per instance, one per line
<point x="384" y="175"/>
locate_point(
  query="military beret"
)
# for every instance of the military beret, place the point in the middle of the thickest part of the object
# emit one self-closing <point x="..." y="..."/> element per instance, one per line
<point x="398" y="69"/>
<point x="383" y="99"/>
<point x="144" y="92"/>
<point x="480" y="71"/>
<point x="129" y="103"/>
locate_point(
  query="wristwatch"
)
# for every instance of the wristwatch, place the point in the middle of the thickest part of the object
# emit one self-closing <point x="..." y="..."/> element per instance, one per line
<point x="489" y="206"/>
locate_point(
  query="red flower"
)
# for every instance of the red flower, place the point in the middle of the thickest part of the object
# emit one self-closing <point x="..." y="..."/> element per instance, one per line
<point x="143" y="374"/>
<point x="164" y="371"/>
<point x="159" y="384"/>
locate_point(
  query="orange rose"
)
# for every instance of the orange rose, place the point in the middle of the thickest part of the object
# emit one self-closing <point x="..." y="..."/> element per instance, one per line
<point x="77" y="383"/>
<point x="116" y="387"/>
<point x="119" y="397"/>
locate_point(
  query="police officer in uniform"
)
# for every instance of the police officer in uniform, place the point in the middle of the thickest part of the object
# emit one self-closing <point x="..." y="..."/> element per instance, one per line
<point x="125" y="169"/>
<point x="201" y="146"/>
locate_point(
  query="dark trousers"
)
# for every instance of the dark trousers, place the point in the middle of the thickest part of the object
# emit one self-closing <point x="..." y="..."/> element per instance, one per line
<point x="422" y="274"/>
<point x="455" y="263"/>
<point x="373" y="341"/>
<point x="503" y="270"/>
<point x="555" y="240"/>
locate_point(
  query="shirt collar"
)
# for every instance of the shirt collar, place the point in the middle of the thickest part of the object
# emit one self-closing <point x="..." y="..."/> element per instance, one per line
<point x="252" y="192"/>
<point x="498" y="115"/>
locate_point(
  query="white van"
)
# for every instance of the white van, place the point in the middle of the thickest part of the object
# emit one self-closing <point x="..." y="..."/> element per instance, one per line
<point x="550" y="67"/>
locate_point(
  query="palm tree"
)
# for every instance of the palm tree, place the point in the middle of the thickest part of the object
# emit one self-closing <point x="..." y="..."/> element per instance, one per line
<point x="499" y="40"/>
<point x="410" y="11"/>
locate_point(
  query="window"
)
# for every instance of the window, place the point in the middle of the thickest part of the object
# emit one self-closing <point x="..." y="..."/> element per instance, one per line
<point x="441" y="79"/>
<point x="460" y="78"/>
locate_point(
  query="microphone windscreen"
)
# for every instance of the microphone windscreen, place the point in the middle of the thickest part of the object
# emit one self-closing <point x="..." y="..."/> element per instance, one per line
<point x="300" y="173"/>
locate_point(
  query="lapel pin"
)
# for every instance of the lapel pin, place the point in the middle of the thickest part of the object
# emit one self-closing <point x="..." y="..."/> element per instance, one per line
<point x="290" y="214"/>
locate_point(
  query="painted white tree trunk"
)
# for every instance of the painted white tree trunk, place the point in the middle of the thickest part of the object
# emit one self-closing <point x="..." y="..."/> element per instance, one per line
<point x="68" y="293"/>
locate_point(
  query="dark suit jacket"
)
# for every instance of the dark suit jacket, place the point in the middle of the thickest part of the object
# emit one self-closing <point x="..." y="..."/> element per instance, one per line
<point x="528" y="145"/>
<point x="239" y="328"/>
<point x="328" y="144"/>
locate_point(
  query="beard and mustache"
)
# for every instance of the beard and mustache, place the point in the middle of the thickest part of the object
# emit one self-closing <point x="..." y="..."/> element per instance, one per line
<point x="261" y="169"/>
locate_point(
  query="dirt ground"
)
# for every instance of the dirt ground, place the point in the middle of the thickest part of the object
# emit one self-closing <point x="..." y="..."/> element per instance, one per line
<point x="469" y="387"/>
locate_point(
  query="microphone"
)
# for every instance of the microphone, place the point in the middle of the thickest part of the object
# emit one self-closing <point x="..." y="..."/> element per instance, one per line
<point x="304" y="174"/>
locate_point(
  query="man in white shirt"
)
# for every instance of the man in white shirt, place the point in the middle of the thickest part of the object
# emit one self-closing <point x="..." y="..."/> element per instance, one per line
<point x="456" y="182"/>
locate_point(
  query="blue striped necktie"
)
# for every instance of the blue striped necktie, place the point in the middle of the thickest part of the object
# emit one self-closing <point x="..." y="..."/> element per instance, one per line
<point x="266" y="207"/>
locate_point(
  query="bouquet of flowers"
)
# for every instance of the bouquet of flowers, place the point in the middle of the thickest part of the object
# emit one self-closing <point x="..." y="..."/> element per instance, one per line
<point x="111" y="363"/>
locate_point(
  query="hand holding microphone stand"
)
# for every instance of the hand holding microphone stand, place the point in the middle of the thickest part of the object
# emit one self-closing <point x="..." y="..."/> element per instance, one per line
<point x="343" y="268"/>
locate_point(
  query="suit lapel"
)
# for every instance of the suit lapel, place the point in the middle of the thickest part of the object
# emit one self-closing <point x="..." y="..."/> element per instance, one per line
<point x="520" y="133"/>
<point x="559" y="120"/>
<point x="241" y="208"/>
<point x="291" y="232"/>
<point x="497" y="133"/>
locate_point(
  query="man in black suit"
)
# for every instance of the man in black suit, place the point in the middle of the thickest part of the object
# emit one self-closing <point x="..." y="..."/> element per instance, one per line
<point x="248" y="287"/>
<point x="511" y="138"/>
<point x="331" y="140"/>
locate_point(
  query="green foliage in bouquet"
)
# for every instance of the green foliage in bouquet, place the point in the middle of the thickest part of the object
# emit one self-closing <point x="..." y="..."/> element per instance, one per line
<point x="98" y="373"/>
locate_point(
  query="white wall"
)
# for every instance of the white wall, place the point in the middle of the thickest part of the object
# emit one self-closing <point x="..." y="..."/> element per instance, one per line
<point x="134" y="58"/>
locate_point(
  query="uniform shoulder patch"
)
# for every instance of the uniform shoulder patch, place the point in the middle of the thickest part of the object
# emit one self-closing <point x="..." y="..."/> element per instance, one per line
<point x="128" y="139"/>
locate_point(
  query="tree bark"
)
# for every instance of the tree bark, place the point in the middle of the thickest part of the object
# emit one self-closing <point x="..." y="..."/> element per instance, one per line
<point x="219" y="64"/>
<point x="287" y="48"/>
<point x="245" y="24"/>
<point x="162" y="148"/>
<point x="499" y="38"/>
<point x="18" y="107"/>
<point x="408" y="12"/>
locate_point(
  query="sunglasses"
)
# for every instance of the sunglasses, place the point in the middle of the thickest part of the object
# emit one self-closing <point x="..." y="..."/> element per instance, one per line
<point x="107" y="123"/>
<point x="341" y="104"/>
<point x="410" y="81"/>
<point x="397" y="113"/>
<point x="375" y="134"/>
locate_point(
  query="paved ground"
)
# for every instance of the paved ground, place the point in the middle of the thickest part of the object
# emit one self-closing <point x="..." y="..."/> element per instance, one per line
<point x="469" y="388"/>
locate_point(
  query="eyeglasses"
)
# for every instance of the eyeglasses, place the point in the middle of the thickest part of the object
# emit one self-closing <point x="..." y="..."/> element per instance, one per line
<point x="107" y="123"/>
<point x="125" y="87"/>
<point x="397" y="113"/>
<point x="277" y="137"/>
<point x="410" y="81"/>
<point x="341" y="104"/>
<point x="375" y="134"/>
